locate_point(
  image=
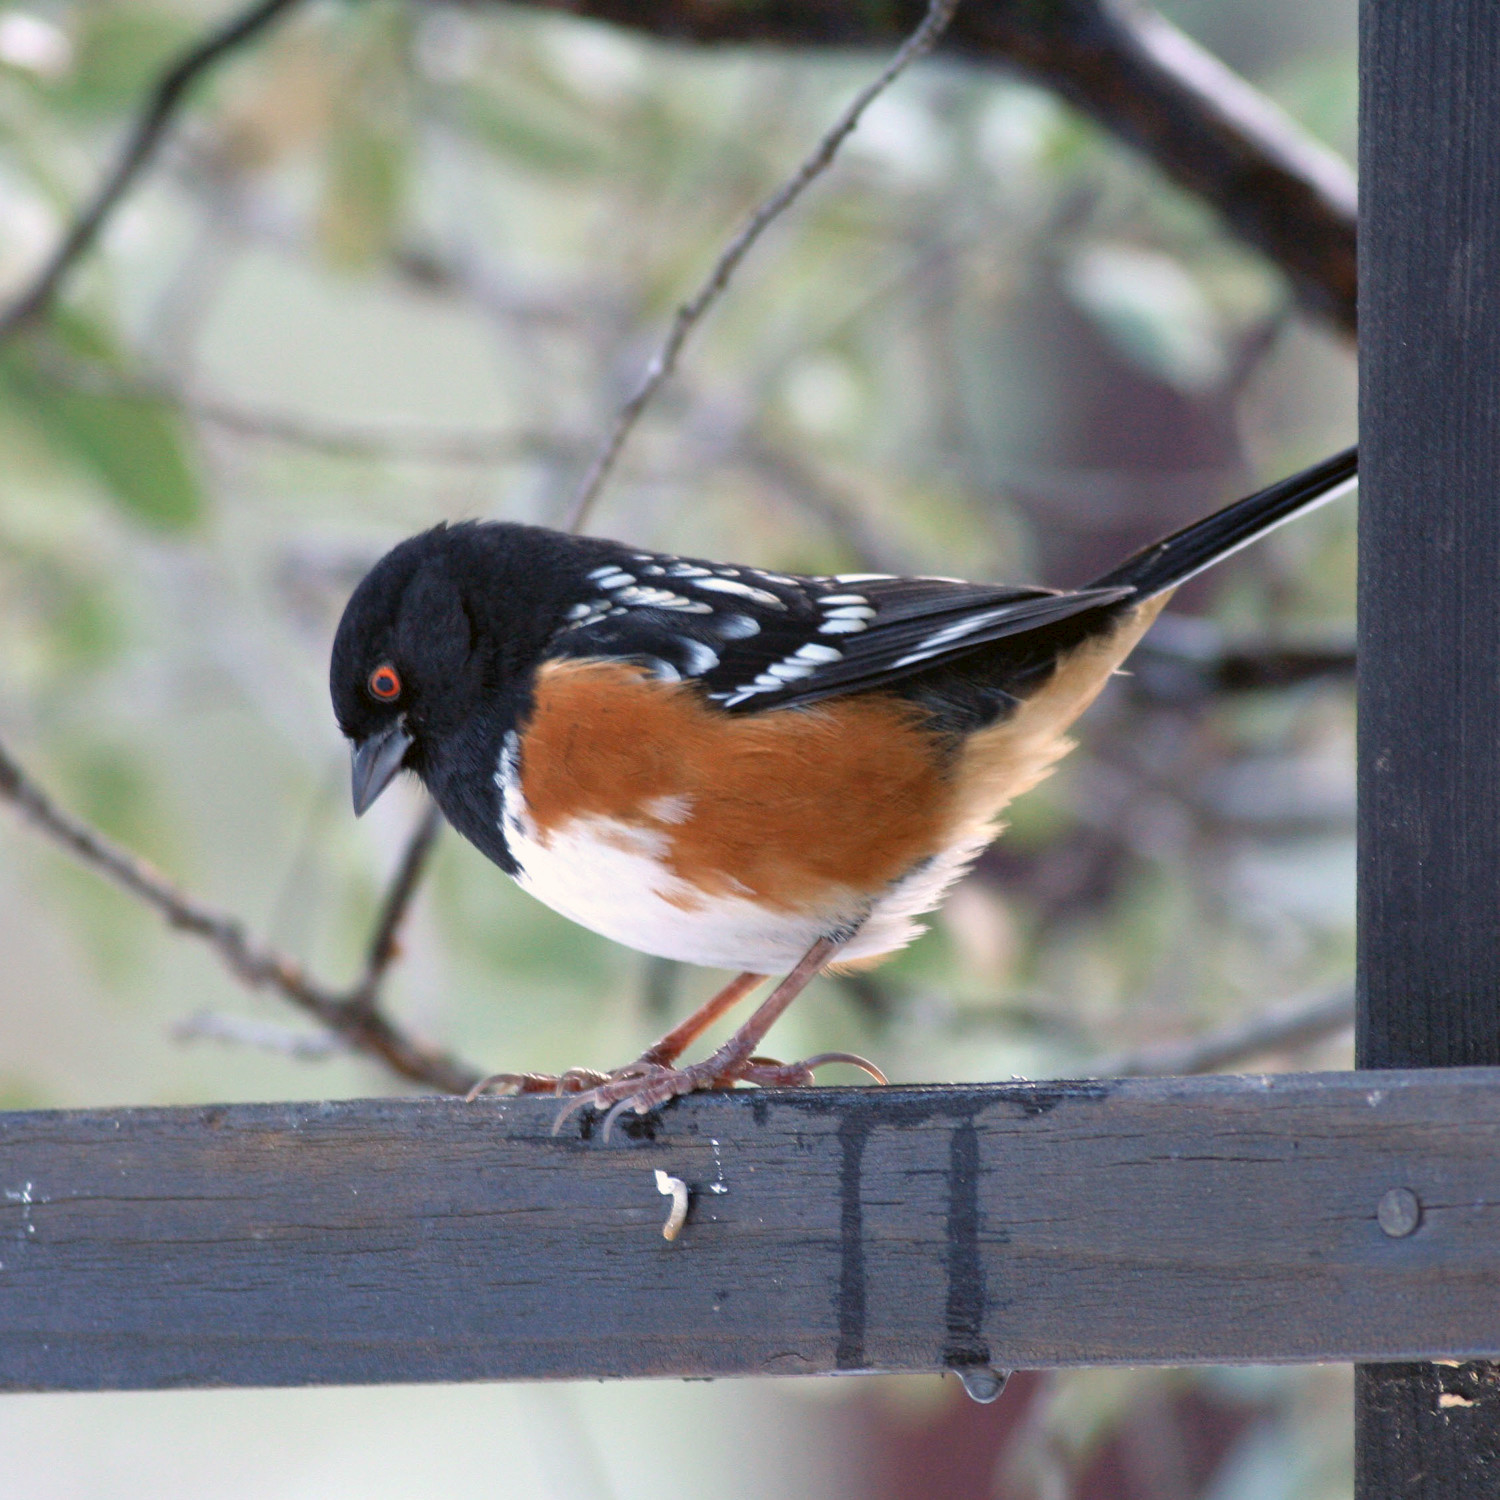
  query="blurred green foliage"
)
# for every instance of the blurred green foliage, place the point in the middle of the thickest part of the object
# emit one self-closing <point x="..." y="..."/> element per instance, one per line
<point x="136" y="449"/>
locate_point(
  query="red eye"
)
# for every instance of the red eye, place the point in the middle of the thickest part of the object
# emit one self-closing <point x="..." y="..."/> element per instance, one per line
<point x="384" y="683"/>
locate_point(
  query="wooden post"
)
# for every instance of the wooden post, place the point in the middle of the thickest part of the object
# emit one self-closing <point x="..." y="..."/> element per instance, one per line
<point x="1429" y="650"/>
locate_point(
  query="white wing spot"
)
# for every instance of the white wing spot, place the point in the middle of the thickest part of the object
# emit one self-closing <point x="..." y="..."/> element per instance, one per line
<point x="737" y="627"/>
<point x="700" y="659"/>
<point x="814" y="652"/>
<point x="744" y="590"/>
<point x="851" y="612"/>
<point x="842" y="599"/>
<point x="861" y="577"/>
<point x="841" y="627"/>
<point x="652" y="598"/>
<point x="960" y="628"/>
<point x="939" y="639"/>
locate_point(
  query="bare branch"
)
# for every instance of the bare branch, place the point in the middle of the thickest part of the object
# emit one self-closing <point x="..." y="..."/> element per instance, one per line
<point x="920" y="42"/>
<point x="1136" y="74"/>
<point x="354" y="440"/>
<point x="1293" y="1024"/>
<point x="265" y="1036"/>
<point x="141" y="146"/>
<point x="350" y="1015"/>
<point x="383" y="947"/>
<point x="433" y="445"/>
<point x="1186" y="660"/>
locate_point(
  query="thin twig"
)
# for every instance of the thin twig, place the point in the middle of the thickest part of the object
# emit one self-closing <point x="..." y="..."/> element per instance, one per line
<point x="1293" y="1024"/>
<point x="353" y="440"/>
<point x="350" y="1014"/>
<point x="687" y="317"/>
<point x="1186" y="660"/>
<point x="338" y="439"/>
<point x="383" y="947"/>
<point x="141" y="146"/>
<point x="264" y="1036"/>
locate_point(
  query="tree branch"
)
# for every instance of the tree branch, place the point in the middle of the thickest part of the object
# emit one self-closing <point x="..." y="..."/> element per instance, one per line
<point x="1186" y="660"/>
<point x="1136" y="74"/>
<point x="1128" y="68"/>
<point x="383" y="948"/>
<point x="691" y="313"/>
<point x="351" y="1014"/>
<point x="335" y="438"/>
<point x="140" y="147"/>
<point x="1294" y="1024"/>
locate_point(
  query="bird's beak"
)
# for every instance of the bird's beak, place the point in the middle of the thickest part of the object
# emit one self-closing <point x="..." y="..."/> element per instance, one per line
<point x="375" y="761"/>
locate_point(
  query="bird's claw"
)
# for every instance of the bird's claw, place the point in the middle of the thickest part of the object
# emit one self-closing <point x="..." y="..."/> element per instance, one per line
<point x="643" y="1085"/>
<point x="770" y="1074"/>
<point x="570" y="1081"/>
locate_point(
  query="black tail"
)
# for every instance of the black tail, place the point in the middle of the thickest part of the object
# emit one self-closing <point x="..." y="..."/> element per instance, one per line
<point x="1175" y="559"/>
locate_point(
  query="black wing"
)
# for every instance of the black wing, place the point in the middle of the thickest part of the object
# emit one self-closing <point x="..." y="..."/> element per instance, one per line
<point x="757" y="640"/>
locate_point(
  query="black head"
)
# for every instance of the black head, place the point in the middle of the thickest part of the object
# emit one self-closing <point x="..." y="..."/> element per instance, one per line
<point x="434" y="655"/>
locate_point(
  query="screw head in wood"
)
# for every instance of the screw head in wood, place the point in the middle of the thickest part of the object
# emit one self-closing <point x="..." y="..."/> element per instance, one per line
<point x="1399" y="1213"/>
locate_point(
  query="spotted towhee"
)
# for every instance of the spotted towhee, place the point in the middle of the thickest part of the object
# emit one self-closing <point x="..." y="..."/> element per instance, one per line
<point x="729" y="766"/>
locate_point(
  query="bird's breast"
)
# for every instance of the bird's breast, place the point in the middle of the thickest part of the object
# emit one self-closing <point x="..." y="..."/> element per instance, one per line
<point x="641" y="812"/>
<point x="638" y="810"/>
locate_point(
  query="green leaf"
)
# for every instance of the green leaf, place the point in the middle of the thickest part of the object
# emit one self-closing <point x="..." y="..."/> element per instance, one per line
<point x="135" y="447"/>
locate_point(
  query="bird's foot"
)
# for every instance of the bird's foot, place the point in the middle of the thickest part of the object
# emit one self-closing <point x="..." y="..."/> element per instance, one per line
<point x="571" y="1081"/>
<point x="646" y="1084"/>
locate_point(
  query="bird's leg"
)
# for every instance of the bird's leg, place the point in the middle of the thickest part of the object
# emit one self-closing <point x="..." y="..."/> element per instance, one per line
<point x="734" y="1061"/>
<point x="668" y="1049"/>
<point x="660" y="1054"/>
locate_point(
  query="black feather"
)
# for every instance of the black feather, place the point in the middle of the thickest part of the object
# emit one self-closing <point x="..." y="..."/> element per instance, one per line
<point x="1176" y="558"/>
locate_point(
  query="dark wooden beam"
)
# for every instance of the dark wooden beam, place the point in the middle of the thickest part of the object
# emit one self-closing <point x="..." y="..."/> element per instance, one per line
<point x="1144" y="1221"/>
<point x="1429" y="649"/>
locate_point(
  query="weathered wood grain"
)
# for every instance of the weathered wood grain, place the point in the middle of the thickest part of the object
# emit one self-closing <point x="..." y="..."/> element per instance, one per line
<point x="1429" y="649"/>
<point x="1143" y="1221"/>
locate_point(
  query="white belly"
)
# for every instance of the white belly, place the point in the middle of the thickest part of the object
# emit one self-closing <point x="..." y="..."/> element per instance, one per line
<point x="613" y="878"/>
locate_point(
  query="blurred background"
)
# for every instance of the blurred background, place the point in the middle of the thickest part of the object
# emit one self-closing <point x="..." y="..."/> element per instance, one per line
<point x="402" y="262"/>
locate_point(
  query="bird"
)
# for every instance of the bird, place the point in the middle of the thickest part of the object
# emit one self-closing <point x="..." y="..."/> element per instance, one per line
<point x="727" y="765"/>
